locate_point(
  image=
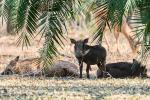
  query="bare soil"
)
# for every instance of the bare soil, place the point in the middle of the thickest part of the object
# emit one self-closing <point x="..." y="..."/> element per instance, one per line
<point x="28" y="88"/>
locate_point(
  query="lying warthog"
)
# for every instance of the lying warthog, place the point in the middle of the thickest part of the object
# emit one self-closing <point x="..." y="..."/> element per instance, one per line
<point x="35" y="67"/>
<point x="23" y="67"/>
<point x="62" y="69"/>
<point x="124" y="69"/>
<point x="91" y="55"/>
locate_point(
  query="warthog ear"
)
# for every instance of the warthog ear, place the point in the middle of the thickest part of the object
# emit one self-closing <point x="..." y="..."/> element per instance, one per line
<point x="16" y="59"/>
<point x="73" y="41"/>
<point x="86" y="40"/>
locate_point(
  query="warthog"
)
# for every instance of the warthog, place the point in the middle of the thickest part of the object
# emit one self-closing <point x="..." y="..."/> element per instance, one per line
<point x="91" y="55"/>
<point x="124" y="69"/>
<point x="23" y="67"/>
<point x="62" y="69"/>
<point x="34" y="66"/>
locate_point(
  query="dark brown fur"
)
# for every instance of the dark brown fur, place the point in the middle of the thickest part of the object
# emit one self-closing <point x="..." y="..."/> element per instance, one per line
<point x="91" y="55"/>
<point x="124" y="69"/>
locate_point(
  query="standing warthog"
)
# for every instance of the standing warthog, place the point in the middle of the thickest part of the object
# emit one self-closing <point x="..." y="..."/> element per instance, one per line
<point x="91" y="55"/>
<point x="34" y="66"/>
<point x="124" y="69"/>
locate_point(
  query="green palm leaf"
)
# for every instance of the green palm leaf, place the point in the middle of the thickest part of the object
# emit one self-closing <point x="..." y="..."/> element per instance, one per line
<point x="52" y="26"/>
<point x="28" y="15"/>
<point x="112" y="13"/>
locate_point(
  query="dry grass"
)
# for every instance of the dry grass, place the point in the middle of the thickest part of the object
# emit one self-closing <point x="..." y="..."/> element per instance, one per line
<point x="76" y="89"/>
<point x="17" y="87"/>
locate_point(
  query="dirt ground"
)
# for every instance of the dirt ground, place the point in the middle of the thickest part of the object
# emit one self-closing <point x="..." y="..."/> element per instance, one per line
<point x="29" y="88"/>
<point x="18" y="87"/>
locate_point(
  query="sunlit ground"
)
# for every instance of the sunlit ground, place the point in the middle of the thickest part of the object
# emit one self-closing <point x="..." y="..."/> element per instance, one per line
<point x="18" y="87"/>
<point x="14" y="87"/>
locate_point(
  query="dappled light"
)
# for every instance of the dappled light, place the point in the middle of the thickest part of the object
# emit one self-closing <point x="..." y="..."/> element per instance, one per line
<point x="74" y="49"/>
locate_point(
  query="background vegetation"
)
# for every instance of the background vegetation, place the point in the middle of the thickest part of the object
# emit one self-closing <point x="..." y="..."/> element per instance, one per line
<point x="50" y="16"/>
<point x="29" y="21"/>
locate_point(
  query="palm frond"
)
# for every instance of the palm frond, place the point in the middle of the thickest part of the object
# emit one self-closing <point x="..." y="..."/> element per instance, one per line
<point x="8" y="12"/>
<point x="142" y="23"/>
<point x="52" y="26"/>
<point x="114" y="12"/>
<point x="111" y="13"/>
<point x="27" y="16"/>
<point x="26" y="20"/>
